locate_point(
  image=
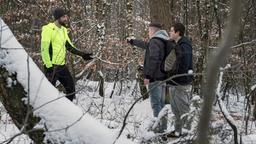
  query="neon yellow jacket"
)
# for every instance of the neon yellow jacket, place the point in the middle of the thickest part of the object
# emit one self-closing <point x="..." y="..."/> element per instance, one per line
<point x="54" y="43"/>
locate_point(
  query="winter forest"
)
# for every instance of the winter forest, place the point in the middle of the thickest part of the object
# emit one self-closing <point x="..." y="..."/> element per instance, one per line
<point x="112" y="104"/>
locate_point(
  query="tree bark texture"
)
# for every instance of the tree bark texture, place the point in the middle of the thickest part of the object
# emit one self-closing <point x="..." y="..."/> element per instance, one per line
<point x="160" y="11"/>
<point x="11" y="97"/>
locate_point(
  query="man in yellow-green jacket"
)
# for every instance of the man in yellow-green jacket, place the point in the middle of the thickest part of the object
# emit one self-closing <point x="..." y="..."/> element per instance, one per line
<point x="54" y="43"/>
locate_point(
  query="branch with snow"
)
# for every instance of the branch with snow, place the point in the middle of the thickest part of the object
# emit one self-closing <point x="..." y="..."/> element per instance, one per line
<point x="239" y="45"/>
<point x="223" y="108"/>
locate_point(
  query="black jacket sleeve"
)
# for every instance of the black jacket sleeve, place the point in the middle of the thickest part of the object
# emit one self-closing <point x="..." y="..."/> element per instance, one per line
<point x="73" y="50"/>
<point x="140" y="43"/>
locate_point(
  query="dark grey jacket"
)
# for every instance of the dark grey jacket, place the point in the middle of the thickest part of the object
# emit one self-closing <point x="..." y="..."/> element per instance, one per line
<point x="154" y="55"/>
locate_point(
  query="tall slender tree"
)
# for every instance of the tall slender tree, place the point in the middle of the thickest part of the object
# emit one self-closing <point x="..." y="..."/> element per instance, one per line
<point x="160" y="11"/>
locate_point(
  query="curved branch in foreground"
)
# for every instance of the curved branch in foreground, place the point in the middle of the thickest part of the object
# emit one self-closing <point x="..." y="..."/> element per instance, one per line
<point x="224" y="110"/>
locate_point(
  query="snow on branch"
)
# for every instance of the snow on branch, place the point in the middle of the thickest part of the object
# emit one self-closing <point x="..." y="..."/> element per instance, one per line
<point x="223" y="108"/>
<point x="239" y="45"/>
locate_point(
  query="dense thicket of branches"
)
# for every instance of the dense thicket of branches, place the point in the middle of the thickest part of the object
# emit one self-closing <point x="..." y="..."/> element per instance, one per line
<point x="204" y="20"/>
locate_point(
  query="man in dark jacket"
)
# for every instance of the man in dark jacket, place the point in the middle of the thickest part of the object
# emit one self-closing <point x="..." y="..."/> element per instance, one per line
<point x="152" y="62"/>
<point x="180" y="86"/>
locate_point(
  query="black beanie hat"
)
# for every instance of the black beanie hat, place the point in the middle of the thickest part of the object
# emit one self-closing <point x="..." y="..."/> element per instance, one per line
<point x="59" y="12"/>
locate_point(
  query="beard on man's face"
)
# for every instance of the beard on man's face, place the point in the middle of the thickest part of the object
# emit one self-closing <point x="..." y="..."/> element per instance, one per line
<point x="62" y="22"/>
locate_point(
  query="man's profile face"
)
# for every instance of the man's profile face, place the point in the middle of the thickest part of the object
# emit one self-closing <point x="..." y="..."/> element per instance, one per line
<point x="151" y="31"/>
<point x="63" y="20"/>
<point x="173" y="35"/>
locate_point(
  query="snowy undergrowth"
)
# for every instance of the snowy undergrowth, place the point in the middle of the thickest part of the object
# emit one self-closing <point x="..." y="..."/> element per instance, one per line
<point x="112" y="111"/>
<point x="115" y="108"/>
<point x="8" y="129"/>
<point x="140" y="118"/>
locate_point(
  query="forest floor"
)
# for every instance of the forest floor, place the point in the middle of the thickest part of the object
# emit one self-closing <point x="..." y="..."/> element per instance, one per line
<point x="111" y="112"/>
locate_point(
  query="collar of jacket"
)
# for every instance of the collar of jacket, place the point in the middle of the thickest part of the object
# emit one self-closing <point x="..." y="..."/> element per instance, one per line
<point x="162" y="34"/>
<point x="184" y="40"/>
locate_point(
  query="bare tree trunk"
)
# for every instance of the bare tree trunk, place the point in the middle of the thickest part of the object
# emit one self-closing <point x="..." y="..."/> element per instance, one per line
<point x="185" y="17"/>
<point x="200" y="60"/>
<point x="204" y="29"/>
<point x="209" y="91"/>
<point x="71" y="57"/>
<point x="216" y="12"/>
<point x="130" y="33"/>
<point x="143" y="88"/>
<point x="160" y="11"/>
<point x="11" y="98"/>
<point x="205" y="43"/>
<point x="253" y="102"/>
<point x="129" y="16"/>
<point x="100" y="13"/>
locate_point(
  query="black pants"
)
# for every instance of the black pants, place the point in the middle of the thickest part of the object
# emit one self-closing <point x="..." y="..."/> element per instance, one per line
<point x="62" y="74"/>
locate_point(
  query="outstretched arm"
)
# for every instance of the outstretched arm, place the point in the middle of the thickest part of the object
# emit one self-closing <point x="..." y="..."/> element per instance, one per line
<point x="139" y="43"/>
<point x="70" y="47"/>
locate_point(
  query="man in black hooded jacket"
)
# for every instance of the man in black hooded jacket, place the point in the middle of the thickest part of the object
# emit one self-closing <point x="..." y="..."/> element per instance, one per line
<point x="180" y="86"/>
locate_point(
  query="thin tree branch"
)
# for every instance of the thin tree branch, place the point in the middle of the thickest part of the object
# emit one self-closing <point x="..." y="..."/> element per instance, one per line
<point x="224" y="110"/>
<point x="137" y="100"/>
<point x="237" y="46"/>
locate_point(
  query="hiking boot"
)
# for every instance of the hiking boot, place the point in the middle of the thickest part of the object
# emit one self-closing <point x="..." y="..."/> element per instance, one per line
<point x="173" y="134"/>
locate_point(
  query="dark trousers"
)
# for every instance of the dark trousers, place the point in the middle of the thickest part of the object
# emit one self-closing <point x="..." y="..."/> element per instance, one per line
<point x="62" y="74"/>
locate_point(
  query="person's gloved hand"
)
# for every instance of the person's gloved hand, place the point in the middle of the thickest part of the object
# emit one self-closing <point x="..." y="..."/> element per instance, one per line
<point x="48" y="73"/>
<point x="49" y="70"/>
<point x="87" y="56"/>
<point x="129" y="41"/>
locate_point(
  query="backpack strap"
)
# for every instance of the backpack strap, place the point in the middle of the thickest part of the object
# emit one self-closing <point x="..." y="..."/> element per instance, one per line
<point x="169" y="56"/>
<point x="165" y="44"/>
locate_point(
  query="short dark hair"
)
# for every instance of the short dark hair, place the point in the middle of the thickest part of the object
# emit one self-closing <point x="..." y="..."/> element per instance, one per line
<point x="179" y="27"/>
<point x="156" y="25"/>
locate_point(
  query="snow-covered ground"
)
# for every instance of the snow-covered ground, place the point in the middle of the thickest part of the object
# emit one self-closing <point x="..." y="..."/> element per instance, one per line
<point x="98" y="120"/>
<point x="111" y="113"/>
